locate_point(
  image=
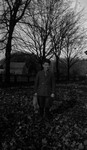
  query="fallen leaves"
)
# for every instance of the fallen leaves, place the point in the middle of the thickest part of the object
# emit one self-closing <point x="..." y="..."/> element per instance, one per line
<point x="20" y="128"/>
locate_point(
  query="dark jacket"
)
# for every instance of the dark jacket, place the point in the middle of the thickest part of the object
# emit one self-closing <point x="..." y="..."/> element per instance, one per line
<point x="44" y="84"/>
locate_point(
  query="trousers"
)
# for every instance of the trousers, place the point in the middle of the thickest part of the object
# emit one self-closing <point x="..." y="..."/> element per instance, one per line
<point x="44" y="105"/>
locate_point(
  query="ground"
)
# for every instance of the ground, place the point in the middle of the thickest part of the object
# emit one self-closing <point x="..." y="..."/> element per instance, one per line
<point x="20" y="128"/>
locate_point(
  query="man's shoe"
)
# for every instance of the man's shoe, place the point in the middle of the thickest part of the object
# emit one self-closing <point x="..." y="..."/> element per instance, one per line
<point x="48" y="117"/>
<point x="40" y="118"/>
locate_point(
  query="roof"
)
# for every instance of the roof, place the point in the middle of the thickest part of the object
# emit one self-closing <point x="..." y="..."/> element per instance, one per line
<point x="20" y="57"/>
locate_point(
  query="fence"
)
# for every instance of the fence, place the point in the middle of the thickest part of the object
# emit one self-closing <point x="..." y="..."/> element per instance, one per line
<point x="18" y="78"/>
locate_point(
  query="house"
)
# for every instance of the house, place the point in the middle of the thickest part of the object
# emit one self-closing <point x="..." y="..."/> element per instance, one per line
<point x="18" y="68"/>
<point x="22" y="66"/>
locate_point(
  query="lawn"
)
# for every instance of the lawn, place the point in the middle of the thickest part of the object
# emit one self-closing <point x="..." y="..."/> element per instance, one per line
<point x="20" y="128"/>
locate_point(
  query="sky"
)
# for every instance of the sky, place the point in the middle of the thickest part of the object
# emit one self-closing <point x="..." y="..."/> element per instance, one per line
<point x="81" y="4"/>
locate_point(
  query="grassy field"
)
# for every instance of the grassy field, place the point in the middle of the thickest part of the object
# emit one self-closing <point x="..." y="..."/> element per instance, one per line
<point x="20" y="128"/>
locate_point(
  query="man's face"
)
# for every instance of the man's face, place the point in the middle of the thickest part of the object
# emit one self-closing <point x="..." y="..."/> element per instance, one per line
<point x="46" y="66"/>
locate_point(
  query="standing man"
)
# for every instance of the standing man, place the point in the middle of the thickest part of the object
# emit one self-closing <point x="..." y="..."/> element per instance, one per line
<point x="45" y="88"/>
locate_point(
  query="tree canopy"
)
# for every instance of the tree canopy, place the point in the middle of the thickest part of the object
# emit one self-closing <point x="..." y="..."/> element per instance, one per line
<point x="43" y="27"/>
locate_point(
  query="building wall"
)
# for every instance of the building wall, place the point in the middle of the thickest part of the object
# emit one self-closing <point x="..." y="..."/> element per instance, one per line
<point x="17" y="67"/>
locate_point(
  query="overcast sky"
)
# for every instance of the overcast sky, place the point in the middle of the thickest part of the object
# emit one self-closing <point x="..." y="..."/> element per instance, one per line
<point x="81" y="4"/>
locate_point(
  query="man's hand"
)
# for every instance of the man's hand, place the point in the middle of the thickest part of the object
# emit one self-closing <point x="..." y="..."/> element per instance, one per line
<point x="52" y="95"/>
<point x="35" y="94"/>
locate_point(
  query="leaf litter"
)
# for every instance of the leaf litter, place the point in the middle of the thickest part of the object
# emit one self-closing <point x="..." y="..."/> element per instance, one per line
<point x="20" y="128"/>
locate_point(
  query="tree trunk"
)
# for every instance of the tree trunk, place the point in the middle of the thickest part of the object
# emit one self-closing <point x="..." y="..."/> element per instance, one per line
<point x="68" y="70"/>
<point x="43" y="58"/>
<point x="57" y="67"/>
<point x="68" y="74"/>
<point x="8" y="51"/>
<point x="7" y="55"/>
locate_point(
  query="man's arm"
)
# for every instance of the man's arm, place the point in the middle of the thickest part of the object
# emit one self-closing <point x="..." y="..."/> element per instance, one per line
<point x="53" y="85"/>
<point x="36" y="84"/>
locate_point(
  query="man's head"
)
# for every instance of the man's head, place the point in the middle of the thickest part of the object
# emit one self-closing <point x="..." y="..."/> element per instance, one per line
<point x="46" y="64"/>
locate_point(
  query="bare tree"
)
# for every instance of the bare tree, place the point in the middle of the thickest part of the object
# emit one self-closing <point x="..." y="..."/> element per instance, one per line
<point x="11" y="13"/>
<point x="37" y="26"/>
<point x="74" y="41"/>
<point x="68" y="39"/>
<point x="46" y="27"/>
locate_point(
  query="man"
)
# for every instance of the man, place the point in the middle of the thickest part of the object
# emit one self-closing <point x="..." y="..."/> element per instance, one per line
<point x="44" y="88"/>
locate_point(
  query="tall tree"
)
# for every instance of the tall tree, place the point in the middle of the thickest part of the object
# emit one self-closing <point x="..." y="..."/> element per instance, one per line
<point x="74" y="41"/>
<point x="12" y="12"/>
<point x="68" y="39"/>
<point x="41" y="19"/>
